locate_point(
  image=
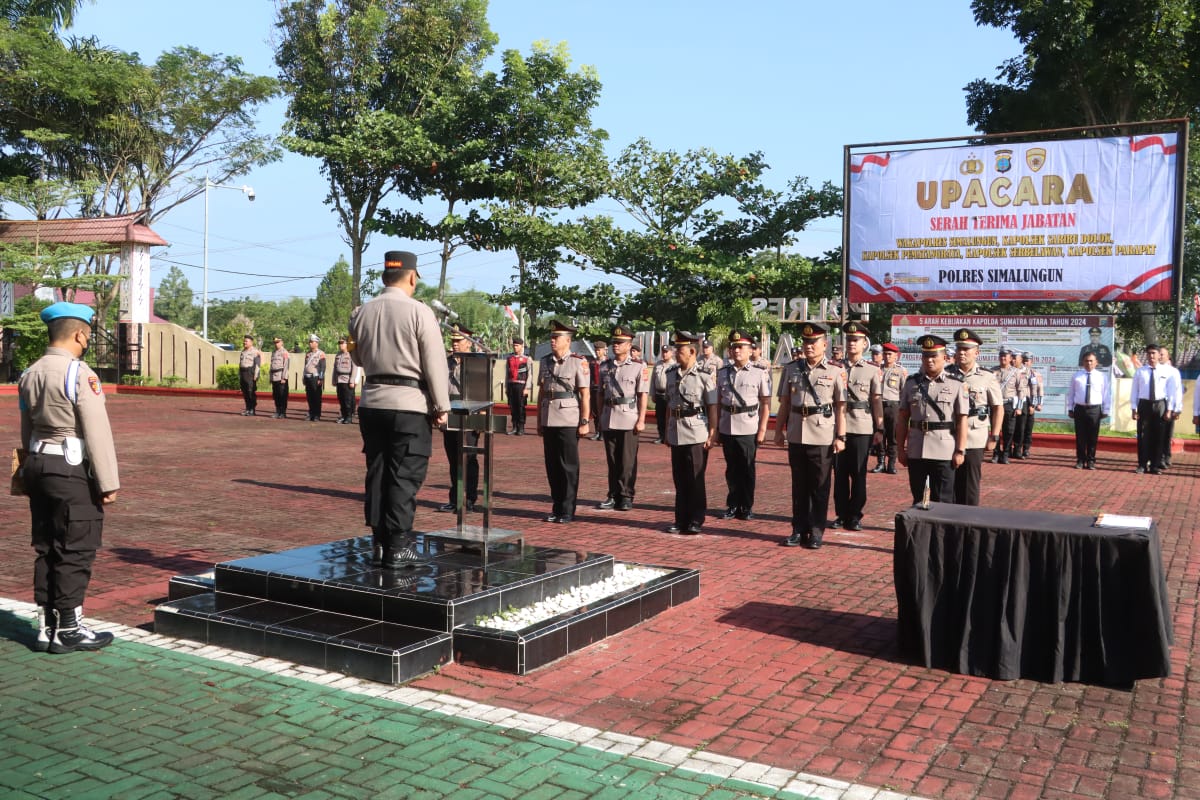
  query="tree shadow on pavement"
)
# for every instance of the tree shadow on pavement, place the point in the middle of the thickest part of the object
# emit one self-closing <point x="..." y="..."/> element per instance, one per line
<point x="17" y="628"/>
<point x="845" y="631"/>
<point x="290" y="487"/>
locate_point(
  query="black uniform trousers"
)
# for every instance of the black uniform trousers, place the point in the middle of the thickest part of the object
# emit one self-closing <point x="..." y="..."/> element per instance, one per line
<point x="661" y="416"/>
<point x="1027" y="440"/>
<point x="249" y="388"/>
<point x="1087" y="432"/>
<point x="67" y="527"/>
<point x="345" y="395"/>
<point x="941" y="479"/>
<point x="312" y="392"/>
<point x="1150" y="432"/>
<point x="1168" y="433"/>
<point x="850" y="477"/>
<point x="453" y="441"/>
<point x="560" y="448"/>
<point x="890" y="407"/>
<point x="1008" y="428"/>
<point x="397" y="446"/>
<point x="967" y="478"/>
<point x="621" y="452"/>
<point x="811" y="465"/>
<point x="279" y="393"/>
<point x="741" y="452"/>
<point x="688" y="464"/>
<point x="516" y="404"/>
<point x="1018" y="431"/>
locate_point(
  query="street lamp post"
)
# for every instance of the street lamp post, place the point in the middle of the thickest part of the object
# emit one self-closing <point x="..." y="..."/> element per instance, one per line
<point x="208" y="184"/>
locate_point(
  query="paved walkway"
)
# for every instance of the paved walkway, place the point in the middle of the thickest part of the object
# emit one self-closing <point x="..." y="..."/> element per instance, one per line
<point x="786" y="664"/>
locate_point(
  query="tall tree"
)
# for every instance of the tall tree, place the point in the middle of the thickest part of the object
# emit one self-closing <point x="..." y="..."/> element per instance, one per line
<point x="1096" y="62"/>
<point x="59" y="13"/>
<point x="335" y="298"/>
<point x="362" y="75"/>
<point x="173" y="301"/>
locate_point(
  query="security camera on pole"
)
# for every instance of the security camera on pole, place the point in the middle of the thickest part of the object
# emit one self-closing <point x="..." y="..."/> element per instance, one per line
<point x="208" y="184"/>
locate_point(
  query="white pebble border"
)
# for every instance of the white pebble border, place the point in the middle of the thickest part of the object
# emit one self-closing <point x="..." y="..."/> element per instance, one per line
<point x="624" y="577"/>
<point x="670" y="756"/>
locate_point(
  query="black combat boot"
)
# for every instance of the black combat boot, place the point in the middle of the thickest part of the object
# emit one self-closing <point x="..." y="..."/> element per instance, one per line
<point x="45" y="629"/>
<point x="70" y="634"/>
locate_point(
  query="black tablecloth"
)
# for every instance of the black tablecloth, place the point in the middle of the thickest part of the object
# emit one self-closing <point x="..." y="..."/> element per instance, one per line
<point x="1024" y="594"/>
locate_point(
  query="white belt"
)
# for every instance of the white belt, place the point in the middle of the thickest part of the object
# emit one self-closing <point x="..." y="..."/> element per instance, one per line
<point x="38" y="446"/>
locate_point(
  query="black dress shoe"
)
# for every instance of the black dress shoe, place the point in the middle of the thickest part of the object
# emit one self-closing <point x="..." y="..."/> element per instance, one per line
<point x="745" y="514"/>
<point x="795" y="540"/>
<point x="837" y="523"/>
<point x="1090" y="465"/>
<point x="625" y="505"/>
<point x="510" y="433"/>
<point x="878" y="467"/>
<point x="1140" y="470"/>
<point x="692" y="530"/>
<point x="1156" y="471"/>
<point x="1003" y="458"/>
<point x="856" y="525"/>
<point x="814" y="540"/>
<point x="607" y="504"/>
<point x="447" y="507"/>
<point x="552" y="518"/>
<point x="730" y="513"/>
<point x="1078" y="465"/>
<point x="673" y="529"/>
<point x="891" y="470"/>
<point x="563" y="519"/>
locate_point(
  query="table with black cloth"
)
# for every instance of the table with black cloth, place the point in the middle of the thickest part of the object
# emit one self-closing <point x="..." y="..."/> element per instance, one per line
<point x="1008" y="594"/>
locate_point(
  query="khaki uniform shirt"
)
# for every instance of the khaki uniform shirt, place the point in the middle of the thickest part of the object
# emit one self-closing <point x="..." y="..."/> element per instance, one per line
<point x="1010" y="384"/>
<point x="558" y="398"/>
<point x="983" y="392"/>
<point x="811" y="393"/>
<point x="738" y="389"/>
<point x="710" y="364"/>
<point x="949" y="394"/>
<point x="279" y="366"/>
<point x="865" y="382"/>
<point x="250" y="359"/>
<point x="689" y="394"/>
<point x="623" y="382"/>
<point x="343" y="368"/>
<point x="49" y="415"/>
<point x="398" y="336"/>
<point x="658" y="379"/>
<point x="1037" y="387"/>
<point x="1023" y="389"/>
<point x="314" y="364"/>
<point x="892" y="382"/>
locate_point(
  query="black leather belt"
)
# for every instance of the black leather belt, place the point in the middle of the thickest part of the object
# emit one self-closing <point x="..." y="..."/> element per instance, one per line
<point x="808" y="411"/>
<point x="891" y="403"/>
<point x="860" y="405"/>
<point x="687" y="412"/>
<point x="624" y="401"/>
<point x="559" y="395"/>
<point x="741" y="409"/>
<point x="396" y="380"/>
<point x="1079" y="406"/>
<point x="923" y="425"/>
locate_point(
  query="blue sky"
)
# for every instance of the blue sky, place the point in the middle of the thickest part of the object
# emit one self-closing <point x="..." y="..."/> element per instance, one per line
<point x="795" y="79"/>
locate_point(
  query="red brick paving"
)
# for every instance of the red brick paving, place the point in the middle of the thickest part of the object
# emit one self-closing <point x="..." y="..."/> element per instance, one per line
<point x="788" y="656"/>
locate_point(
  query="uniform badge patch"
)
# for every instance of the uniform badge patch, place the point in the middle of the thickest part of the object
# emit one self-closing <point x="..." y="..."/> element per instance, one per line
<point x="94" y="382"/>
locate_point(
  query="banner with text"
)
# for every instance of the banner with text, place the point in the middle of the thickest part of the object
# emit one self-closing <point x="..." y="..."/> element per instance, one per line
<point x="1084" y="219"/>
<point x="1058" y="344"/>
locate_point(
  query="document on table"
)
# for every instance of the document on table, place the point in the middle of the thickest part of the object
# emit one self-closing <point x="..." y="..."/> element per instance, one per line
<point x="1122" y="521"/>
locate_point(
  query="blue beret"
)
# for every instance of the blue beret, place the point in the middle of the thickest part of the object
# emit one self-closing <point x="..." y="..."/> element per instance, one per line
<point x="68" y="311"/>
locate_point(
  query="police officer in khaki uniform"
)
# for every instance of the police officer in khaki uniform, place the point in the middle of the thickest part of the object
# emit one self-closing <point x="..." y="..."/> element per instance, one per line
<point x="1037" y="393"/>
<point x="70" y="475"/>
<point x="249" y="365"/>
<point x="398" y="343"/>
<point x="744" y="397"/>
<point x="864" y="428"/>
<point x="345" y="376"/>
<point x="709" y="361"/>
<point x="564" y="407"/>
<point x="692" y="400"/>
<point x="624" y="395"/>
<point x="931" y="426"/>
<point x="1010" y="392"/>
<point x="454" y="439"/>
<point x="658" y="385"/>
<point x="812" y="412"/>
<point x="280" y="361"/>
<point x="1025" y="395"/>
<point x="314" y="377"/>
<point x="892" y="381"/>
<point x="985" y="415"/>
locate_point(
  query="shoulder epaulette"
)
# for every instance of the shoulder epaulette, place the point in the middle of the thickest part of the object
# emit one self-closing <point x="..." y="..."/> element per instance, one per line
<point x="576" y="355"/>
<point x="673" y="367"/>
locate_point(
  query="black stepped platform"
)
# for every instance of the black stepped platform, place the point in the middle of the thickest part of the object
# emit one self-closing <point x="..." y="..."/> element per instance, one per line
<point x="326" y="606"/>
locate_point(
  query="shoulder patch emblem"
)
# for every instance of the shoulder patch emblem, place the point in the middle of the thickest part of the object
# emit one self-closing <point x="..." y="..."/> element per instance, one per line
<point x="94" y="383"/>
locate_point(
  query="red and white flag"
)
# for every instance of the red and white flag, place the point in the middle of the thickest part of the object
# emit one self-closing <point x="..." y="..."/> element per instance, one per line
<point x="508" y="312"/>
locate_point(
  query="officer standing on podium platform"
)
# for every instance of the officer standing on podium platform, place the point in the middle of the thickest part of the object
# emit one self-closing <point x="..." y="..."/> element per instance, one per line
<point x="931" y="426"/>
<point x="812" y="412"/>
<point x="564" y="408"/>
<point x="985" y="415"/>
<point x="453" y="440"/>
<point x="398" y="343"/>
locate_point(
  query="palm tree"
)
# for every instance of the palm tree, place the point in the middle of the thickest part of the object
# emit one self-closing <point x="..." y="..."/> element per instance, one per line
<point x="60" y="13"/>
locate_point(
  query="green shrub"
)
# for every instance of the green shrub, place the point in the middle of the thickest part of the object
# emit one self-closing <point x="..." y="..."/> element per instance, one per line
<point x="136" y="380"/>
<point x="227" y="377"/>
<point x="172" y="380"/>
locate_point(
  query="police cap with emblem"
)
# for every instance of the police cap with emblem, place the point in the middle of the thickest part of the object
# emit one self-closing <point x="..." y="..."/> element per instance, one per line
<point x="312" y="337"/>
<point x="740" y="337"/>
<point x="685" y="338"/>
<point x="931" y="344"/>
<point x="68" y="311"/>
<point x="400" y="259"/>
<point x="559" y="329"/>
<point x="889" y="347"/>
<point x="965" y="337"/>
<point x="459" y="332"/>
<point x="813" y="330"/>
<point x="855" y="328"/>
<point x="621" y="333"/>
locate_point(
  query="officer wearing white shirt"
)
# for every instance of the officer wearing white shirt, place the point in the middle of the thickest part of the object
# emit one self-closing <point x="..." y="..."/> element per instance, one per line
<point x="1088" y="403"/>
<point x="1149" y="404"/>
<point x="1174" y="402"/>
